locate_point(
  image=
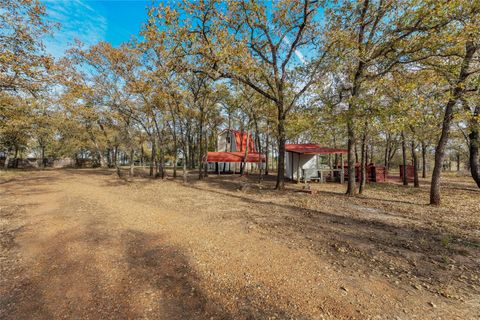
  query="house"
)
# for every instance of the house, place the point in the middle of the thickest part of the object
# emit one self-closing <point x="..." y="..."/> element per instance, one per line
<point x="233" y="148"/>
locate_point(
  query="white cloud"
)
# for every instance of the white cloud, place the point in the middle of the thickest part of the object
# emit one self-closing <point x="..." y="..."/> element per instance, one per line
<point x="77" y="20"/>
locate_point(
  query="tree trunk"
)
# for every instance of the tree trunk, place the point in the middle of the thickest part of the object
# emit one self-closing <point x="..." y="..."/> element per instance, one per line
<point x="387" y="151"/>
<point x="356" y="86"/>
<point x="132" y="163"/>
<point x="175" y="144"/>
<point x="43" y="157"/>
<point x="404" y="161"/>
<point x="281" y="150"/>
<point x="258" y="142"/>
<point x="267" y="142"/>
<point x="76" y="160"/>
<point x="175" y="158"/>
<point x="200" y="146"/>
<point x="356" y="154"/>
<point x="115" y="156"/>
<point x="190" y="154"/>
<point x="440" y="153"/>
<point x="335" y="146"/>
<point x="103" y="161"/>
<point x="244" y="166"/>
<point x="391" y="153"/>
<point x="371" y="160"/>
<point x="457" y="92"/>
<point x="416" y="182"/>
<point x="363" y="161"/>
<point x="152" y="157"/>
<point x="184" y="167"/>
<point x="161" y="161"/>
<point x="351" y="157"/>
<point x="424" y="160"/>
<point x="15" y="158"/>
<point x="109" y="158"/>
<point x="274" y="155"/>
<point x="161" y="148"/>
<point x="473" y="138"/>
<point x="7" y="159"/>
<point x="205" y="164"/>
<point x="119" y="172"/>
<point x="363" y="174"/>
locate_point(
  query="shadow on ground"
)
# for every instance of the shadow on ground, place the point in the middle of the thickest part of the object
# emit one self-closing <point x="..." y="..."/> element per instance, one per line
<point x="96" y="270"/>
<point x="373" y="240"/>
<point x="391" y="243"/>
<point x="85" y="266"/>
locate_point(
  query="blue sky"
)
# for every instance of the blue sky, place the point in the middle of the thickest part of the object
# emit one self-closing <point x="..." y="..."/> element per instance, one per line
<point x="91" y="21"/>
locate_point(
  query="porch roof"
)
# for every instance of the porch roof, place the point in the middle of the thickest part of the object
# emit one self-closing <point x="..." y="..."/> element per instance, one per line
<point x="234" y="157"/>
<point x="310" y="148"/>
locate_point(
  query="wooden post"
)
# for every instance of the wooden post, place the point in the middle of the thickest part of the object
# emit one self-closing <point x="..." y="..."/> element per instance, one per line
<point x="298" y="167"/>
<point x="306" y="186"/>
<point x="331" y="165"/>
<point x="291" y="165"/>
<point x="342" y="171"/>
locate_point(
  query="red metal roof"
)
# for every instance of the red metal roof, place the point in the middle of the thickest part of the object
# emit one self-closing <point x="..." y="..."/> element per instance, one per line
<point x="234" y="157"/>
<point x="241" y="140"/>
<point x="310" y="148"/>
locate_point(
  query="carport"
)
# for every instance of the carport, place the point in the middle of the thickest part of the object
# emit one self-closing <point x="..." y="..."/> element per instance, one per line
<point x="304" y="163"/>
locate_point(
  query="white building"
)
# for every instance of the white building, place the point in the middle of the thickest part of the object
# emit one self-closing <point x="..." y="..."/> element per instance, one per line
<point x="306" y="162"/>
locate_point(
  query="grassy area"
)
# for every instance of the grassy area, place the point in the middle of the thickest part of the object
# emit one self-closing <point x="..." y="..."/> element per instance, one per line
<point x="233" y="247"/>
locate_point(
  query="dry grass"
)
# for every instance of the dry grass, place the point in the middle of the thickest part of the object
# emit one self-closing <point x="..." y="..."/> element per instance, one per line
<point x="230" y="247"/>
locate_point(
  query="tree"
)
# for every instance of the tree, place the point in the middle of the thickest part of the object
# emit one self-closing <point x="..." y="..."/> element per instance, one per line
<point x="371" y="39"/>
<point x="259" y="45"/>
<point x="95" y="94"/>
<point x="15" y="125"/>
<point x="454" y="59"/>
<point x="24" y="68"/>
<point x="473" y="138"/>
<point x="469" y="126"/>
<point x="22" y="58"/>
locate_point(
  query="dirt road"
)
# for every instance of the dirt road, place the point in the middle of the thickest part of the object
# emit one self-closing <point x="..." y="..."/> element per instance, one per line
<point x="86" y="245"/>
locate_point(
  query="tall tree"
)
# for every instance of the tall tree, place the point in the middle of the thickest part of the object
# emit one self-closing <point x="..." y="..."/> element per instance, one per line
<point x="24" y="63"/>
<point x="473" y="136"/>
<point x="371" y="39"/>
<point x="260" y="45"/>
<point x="455" y="60"/>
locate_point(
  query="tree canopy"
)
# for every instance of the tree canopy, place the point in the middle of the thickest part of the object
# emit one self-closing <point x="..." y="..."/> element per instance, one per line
<point x="374" y="76"/>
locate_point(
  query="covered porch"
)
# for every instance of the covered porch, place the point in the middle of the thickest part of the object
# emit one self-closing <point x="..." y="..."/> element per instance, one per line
<point x="231" y="162"/>
<point x="311" y="162"/>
